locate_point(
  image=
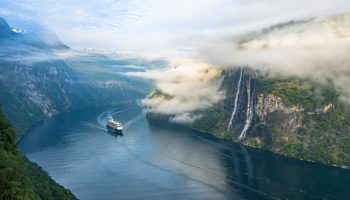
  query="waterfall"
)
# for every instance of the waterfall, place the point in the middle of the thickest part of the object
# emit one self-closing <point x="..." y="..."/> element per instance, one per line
<point x="249" y="113"/>
<point x="236" y="101"/>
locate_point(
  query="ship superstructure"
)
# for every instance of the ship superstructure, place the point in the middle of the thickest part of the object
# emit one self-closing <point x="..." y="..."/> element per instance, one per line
<point x="114" y="125"/>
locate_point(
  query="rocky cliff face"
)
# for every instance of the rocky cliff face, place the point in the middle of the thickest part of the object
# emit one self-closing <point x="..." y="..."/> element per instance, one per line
<point x="296" y="118"/>
<point x="270" y="107"/>
<point x="240" y="103"/>
<point x="31" y="92"/>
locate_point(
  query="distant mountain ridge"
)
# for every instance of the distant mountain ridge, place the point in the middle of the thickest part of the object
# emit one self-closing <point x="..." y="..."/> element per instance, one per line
<point x="41" y="40"/>
<point x="37" y="83"/>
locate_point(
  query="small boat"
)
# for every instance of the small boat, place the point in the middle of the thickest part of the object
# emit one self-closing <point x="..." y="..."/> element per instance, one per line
<point x="114" y="126"/>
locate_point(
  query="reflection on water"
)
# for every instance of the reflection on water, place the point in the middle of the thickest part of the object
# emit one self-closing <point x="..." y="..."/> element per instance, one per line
<point x="156" y="161"/>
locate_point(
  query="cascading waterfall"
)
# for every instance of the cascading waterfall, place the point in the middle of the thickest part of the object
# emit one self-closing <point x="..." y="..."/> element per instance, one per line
<point x="236" y="100"/>
<point x="249" y="117"/>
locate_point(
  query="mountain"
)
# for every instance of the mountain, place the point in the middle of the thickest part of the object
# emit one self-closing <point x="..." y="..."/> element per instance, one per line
<point x="38" y="39"/>
<point x="295" y="117"/>
<point x="19" y="177"/>
<point x="303" y="117"/>
<point x="41" y="76"/>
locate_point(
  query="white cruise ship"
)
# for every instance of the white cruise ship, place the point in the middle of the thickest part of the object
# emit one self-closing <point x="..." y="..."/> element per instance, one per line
<point x="114" y="126"/>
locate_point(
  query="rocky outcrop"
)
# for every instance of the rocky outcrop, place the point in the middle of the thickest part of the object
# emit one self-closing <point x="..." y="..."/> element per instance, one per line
<point x="276" y="115"/>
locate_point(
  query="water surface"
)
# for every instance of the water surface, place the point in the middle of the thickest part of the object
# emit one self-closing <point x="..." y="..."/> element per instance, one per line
<point x="163" y="162"/>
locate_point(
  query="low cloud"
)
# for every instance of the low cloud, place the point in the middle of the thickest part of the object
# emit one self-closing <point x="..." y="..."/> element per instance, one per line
<point x="185" y="118"/>
<point x="183" y="89"/>
<point x="215" y="33"/>
<point x="158" y="27"/>
<point x="317" y="48"/>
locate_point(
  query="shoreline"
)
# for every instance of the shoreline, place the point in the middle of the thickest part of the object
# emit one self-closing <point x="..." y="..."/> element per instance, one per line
<point x="152" y="120"/>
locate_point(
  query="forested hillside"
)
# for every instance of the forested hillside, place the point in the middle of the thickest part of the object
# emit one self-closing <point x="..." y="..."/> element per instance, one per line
<point x="20" y="179"/>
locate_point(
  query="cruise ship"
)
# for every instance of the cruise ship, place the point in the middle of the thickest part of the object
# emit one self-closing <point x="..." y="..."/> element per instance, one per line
<point x="114" y="126"/>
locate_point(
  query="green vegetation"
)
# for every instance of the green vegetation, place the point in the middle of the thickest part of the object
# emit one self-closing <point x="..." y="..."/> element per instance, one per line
<point x="303" y="93"/>
<point x="21" y="179"/>
<point x="325" y="136"/>
<point x="44" y="186"/>
<point x="159" y="94"/>
<point x="211" y="122"/>
<point x="17" y="104"/>
<point x="14" y="182"/>
<point x="322" y="147"/>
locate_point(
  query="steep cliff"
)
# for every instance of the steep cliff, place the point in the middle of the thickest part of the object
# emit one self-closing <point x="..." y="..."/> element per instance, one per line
<point x="289" y="116"/>
<point x="294" y="117"/>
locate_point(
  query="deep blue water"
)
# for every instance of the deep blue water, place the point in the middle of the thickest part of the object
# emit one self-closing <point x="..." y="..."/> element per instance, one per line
<point x="163" y="162"/>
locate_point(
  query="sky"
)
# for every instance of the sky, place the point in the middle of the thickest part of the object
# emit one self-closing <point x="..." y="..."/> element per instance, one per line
<point x="158" y="28"/>
<point x="199" y="38"/>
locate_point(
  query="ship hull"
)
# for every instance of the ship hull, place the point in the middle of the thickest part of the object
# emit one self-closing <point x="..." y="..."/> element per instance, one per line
<point x="114" y="130"/>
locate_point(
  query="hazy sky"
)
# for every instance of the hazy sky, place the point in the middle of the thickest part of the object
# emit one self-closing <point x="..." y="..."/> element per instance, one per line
<point x="197" y="36"/>
<point x="158" y="27"/>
